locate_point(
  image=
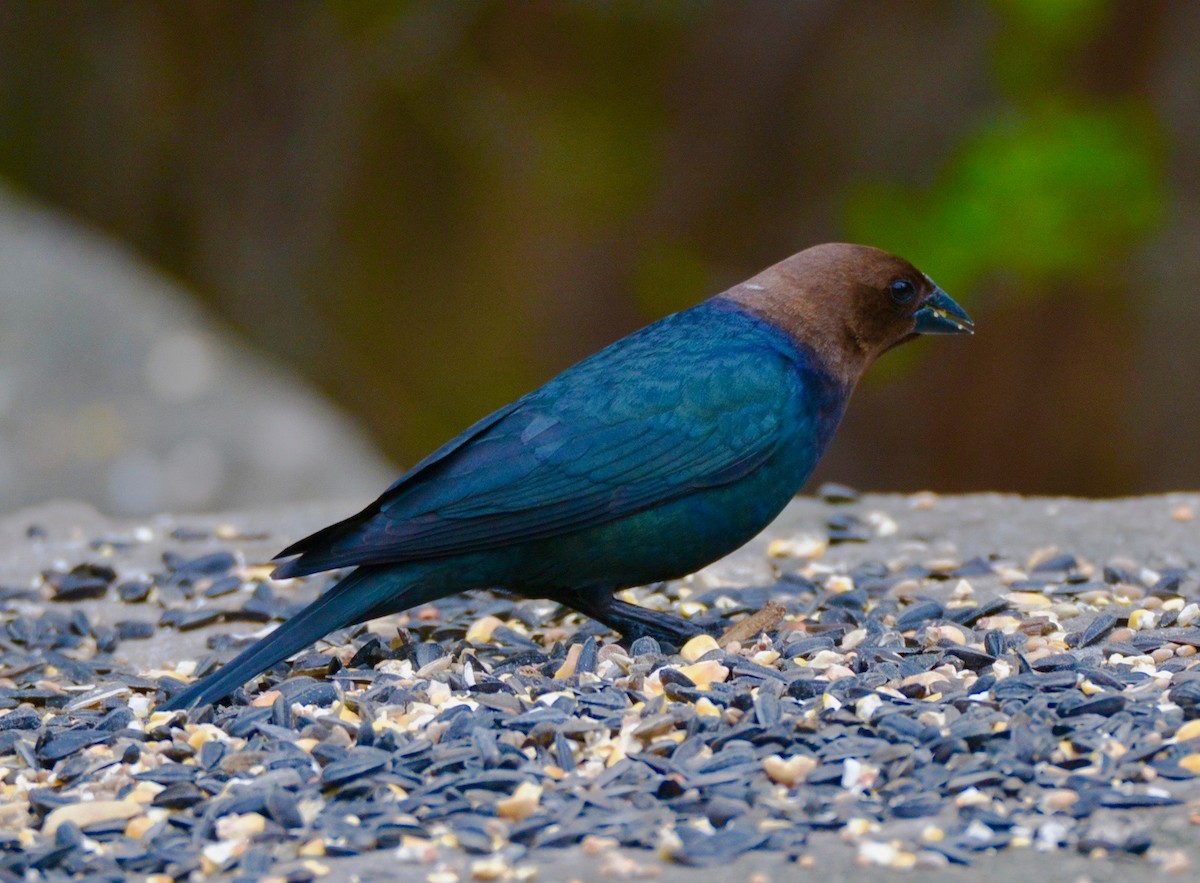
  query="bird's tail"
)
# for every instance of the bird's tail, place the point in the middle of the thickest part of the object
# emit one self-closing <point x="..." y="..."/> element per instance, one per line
<point x="364" y="594"/>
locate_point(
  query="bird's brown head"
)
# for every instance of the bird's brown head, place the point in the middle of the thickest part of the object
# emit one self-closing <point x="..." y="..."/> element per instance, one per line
<point x="850" y="304"/>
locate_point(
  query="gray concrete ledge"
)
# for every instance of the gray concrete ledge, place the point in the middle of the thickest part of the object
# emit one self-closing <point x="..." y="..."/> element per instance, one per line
<point x="1153" y="533"/>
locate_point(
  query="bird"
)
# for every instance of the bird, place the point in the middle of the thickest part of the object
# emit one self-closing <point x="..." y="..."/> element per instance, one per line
<point x="646" y="461"/>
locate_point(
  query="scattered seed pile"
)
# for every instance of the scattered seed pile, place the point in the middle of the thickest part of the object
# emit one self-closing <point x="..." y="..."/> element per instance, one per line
<point x="927" y="709"/>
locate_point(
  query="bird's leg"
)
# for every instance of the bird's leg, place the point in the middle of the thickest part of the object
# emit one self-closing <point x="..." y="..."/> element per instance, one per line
<point x="630" y="620"/>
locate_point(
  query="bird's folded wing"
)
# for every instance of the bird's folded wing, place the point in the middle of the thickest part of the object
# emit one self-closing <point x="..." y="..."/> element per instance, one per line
<point x="573" y="455"/>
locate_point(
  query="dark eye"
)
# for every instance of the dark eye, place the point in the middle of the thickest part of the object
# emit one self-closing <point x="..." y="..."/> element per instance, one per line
<point x="902" y="291"/>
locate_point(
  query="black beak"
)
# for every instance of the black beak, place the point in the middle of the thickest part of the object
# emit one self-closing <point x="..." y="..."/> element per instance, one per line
<point x="941" y="315"/>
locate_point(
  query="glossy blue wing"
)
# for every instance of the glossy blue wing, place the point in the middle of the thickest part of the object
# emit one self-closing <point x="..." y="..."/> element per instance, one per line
<point x="639" y="424"/>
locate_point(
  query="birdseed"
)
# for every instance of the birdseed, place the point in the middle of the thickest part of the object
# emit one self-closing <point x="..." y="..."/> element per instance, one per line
<point x="1002" y="703"/>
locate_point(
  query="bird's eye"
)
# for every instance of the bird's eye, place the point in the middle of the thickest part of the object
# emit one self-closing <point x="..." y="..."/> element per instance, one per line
<point x="902" y="291"/>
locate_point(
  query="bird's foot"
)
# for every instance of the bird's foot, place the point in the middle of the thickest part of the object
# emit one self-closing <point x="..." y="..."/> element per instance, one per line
<point x="635" y="622"/>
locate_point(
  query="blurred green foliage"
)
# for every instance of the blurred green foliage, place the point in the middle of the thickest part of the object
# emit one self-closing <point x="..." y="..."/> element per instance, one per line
<point x="1049" y="193"/>
<point x="429" y="207"/>
<point x="1055" y="187"/>
<point x="1038" y="41"/>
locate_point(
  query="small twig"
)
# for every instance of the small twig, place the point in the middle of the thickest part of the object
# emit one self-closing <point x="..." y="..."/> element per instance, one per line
<point x="753" y="625"/>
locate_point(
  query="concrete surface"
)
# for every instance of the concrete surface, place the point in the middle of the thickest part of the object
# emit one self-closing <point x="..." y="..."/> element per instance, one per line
<point x="1153" y="531"/>
<point x="116" y="389"/>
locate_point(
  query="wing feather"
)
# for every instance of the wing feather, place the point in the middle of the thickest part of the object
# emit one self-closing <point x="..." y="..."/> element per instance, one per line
<point x="635" y="426"/>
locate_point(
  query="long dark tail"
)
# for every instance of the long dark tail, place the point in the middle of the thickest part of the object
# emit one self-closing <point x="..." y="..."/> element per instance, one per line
<point x="364" y="594"/>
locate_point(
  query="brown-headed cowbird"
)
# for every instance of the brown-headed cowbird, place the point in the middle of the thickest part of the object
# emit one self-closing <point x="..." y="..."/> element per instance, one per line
<point x="644" y="462"/>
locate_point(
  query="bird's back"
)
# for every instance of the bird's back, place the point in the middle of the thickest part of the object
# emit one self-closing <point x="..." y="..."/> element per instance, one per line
<point x="684" y="409"/>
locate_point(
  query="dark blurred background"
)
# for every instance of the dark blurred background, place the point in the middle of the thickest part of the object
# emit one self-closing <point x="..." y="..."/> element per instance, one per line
<point x="428" y="208"/>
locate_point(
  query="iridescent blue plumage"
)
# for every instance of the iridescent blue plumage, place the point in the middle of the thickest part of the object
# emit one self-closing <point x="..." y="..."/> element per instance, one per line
<point x="649" y="420"/>
<point x="646" y="461"/>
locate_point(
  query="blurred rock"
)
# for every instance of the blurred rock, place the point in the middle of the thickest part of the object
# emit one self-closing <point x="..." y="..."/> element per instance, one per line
<point x="115" y="389"/>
